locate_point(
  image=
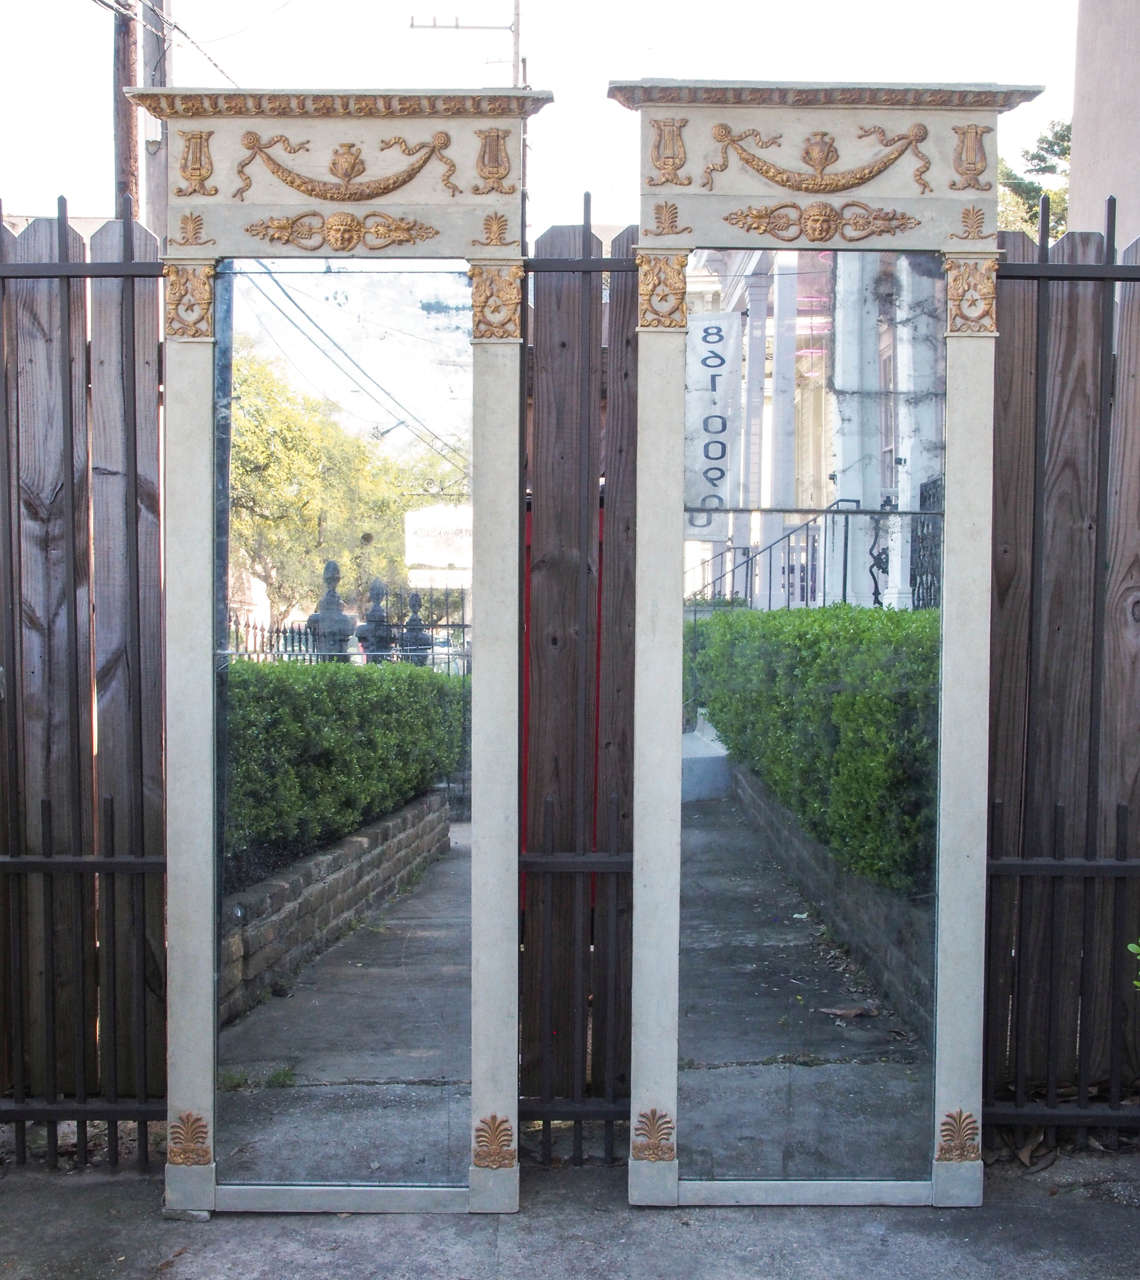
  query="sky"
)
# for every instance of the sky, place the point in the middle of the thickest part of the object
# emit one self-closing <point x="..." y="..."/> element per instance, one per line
<point x="56" y="87"/>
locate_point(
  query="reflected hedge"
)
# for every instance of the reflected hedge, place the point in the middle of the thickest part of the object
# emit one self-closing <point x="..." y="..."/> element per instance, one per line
<point x="837" y="710"/>
<point x="316" y="751"/>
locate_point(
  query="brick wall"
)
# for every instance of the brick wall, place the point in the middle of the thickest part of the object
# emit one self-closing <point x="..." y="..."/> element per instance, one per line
<point x="888" y="933"/>
<point x="271" y="929"/>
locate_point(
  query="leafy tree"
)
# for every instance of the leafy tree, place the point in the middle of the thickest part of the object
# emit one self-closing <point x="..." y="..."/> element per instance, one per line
<point x="1050" y="157"/>
<point x="303" y="491"/>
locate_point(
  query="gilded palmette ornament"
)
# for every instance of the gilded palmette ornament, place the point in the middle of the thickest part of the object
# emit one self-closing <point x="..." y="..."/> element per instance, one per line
<point x="667" y="153"/>
<point x="653" y="1137"/>
<point x="188" y="1140"/>
<point x="196" y="164"/>
<point x="189" y="300"/>
<point x="494" y="232"/>
<point x="347" y="166"/>
<point x="665" y="220"/>
<point x="819" y="154"/>
<point x="494" y="1144"/>
<point x="970" y="157"/>
<point x="819" y="222"/>
<point x="971" y="296"/>
<point x="959" y="1134"/>
<point x="341" y="231"/>
<point x="193" y="229"/>
<point x="973" y="224"/>
<point x="493" y="163"/>
<point x="496" y="298"/>
<point x="661" y="291"/>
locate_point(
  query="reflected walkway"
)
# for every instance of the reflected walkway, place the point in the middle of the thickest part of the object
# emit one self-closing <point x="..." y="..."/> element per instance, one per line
<point x="791" y="1064"/>
<point x="361" y="1073"/>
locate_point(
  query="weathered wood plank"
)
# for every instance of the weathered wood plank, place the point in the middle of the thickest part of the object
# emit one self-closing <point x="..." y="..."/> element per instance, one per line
<point x="55" y="624"/>
<point x="128" y="622"/>
<point x="1014" y="408"/>
<point x="1061" y="655"/>
<point x="9" y="660"/>
<point x="562" y="636"/>
<point x="1120" y="705"/>
<point x="615" y="676"/>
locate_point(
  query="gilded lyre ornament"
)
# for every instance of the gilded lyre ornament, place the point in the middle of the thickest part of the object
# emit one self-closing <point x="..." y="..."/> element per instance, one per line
<point x="494" y="1144"/>
<point x="655" y="1130"/>
<point x="188" y="1140"/>
<point x="959" y="1133"/>
<point x="820" y="222"/>
<point x="189" y="300"/>
<point x="341" y="231"/>
<point x="661" y="291"/>
<point x="819" y="154"/>
<point x="971" y="295"/>
<point x="494" y="232"/>
<point x="970" y="157"/>
<point x="665" y="221"/>
<point x="493" y="163"/>
<point x="193" y="229"/>
<point x="667" y="153"/>
<point x="196" y="164"/>
<point x="346" y="166"/>
<point x="973" y="223"/>
<point x="496" y="296"/>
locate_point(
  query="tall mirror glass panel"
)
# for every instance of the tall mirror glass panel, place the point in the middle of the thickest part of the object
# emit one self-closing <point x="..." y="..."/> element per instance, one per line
<point x="815" y="396"/>
<point x="343" y="613"/>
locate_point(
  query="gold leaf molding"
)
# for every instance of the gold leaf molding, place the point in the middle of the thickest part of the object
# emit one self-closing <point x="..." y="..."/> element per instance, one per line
<point x="189" y="301"/>
<point x="494" y="1144"/>
<point x="959" y="1133"/>
<point x="168" y="105"/>
<point x="971" y="296"/>
<point x="661" y="291"/>
<point x="653" y="1137"/>
<point x="820" y="222"/>
<point x="346" y="166"/>
<point x="188" y="1140"/>
<point x="819" y="154"/>
<point x="496" y="297"/>
<point x="341" y="231"/>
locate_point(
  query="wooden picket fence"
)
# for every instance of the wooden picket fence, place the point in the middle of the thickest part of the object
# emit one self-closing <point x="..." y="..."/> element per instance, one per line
<point x="82" y="1003"/>
<point x="82" y="968"/>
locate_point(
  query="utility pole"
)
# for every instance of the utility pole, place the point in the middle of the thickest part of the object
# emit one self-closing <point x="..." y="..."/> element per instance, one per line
<point x="516" y="64"/>
<point x="125" y="72"/>
<point x="154" y="77"/>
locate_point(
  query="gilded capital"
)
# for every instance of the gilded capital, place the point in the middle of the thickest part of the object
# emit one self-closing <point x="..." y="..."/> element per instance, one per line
<point x="661" y="291"/>
<point x="971" y="296"/>
<point x="496" y="300"/>
<point x="189" y="300"/>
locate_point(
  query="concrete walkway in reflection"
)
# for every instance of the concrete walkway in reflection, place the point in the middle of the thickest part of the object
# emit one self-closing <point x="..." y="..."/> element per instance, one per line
<point x="791" y="1064"/>
<point x="361" y="1073"/>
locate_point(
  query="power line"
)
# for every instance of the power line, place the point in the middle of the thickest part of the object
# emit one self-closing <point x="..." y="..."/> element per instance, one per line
<point x="403" y="408"/>
<point x="125" y="9"/>
<point x="460" y="465"/>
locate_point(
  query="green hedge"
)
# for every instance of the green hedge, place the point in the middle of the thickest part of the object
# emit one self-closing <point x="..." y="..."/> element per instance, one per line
<point x="837" y="710"/>
<point x="315" y="751"/>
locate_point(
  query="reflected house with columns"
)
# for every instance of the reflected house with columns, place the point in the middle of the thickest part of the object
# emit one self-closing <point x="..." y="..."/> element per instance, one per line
<point x="842" y="412"/>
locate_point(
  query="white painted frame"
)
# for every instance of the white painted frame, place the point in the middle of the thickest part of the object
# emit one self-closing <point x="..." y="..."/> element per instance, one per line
<point x="191" y="1178"/>
<point x="669" y="231"/>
